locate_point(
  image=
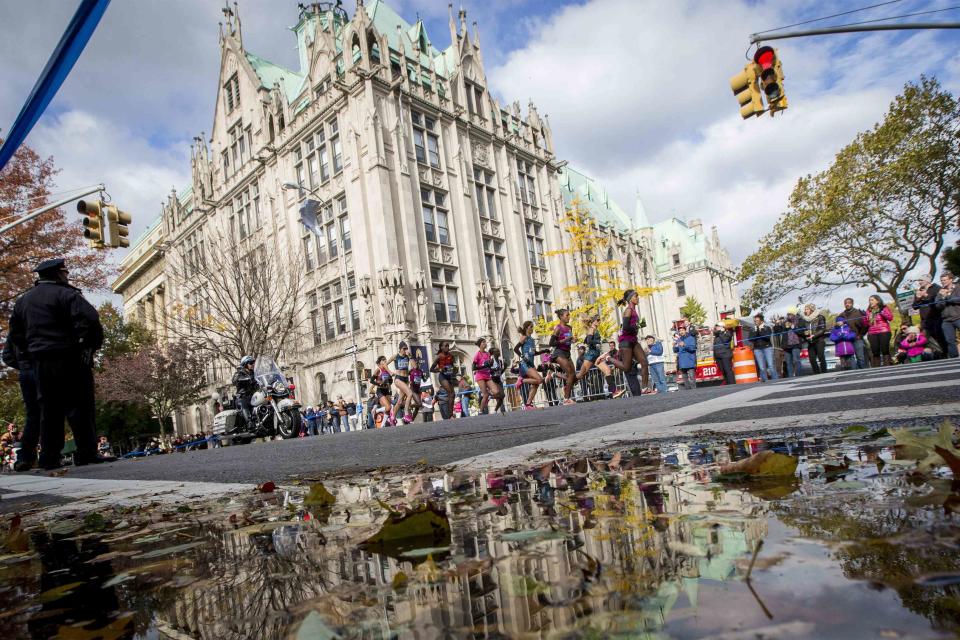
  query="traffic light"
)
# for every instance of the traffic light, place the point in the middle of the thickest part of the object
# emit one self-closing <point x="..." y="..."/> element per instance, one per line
<point x="771" y="78"/>
<point x="117" y="222"/>
<point x="746" y="89"/>
<point x="92" y="212"/>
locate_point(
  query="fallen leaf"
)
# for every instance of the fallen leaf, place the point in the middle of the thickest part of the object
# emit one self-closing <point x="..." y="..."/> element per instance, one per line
<point x="952" y="460"/>
<point x="94" y="522"/>
<point x="855" y="428"/>
<point x="763" y="463"/>
<point x="399" y="581"/>
<point x="58" y="592"/>
<point x="266" y="487"/>
<point x="157" y="553"/>
<point x="318" y="496"/>
<point x="923" y="448"/>
<point x="532" y="535"/>
<point x="401" y="531"/>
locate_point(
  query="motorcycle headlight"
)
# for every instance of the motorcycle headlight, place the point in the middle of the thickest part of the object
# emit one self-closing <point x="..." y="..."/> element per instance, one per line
<point x="279" y="387"/>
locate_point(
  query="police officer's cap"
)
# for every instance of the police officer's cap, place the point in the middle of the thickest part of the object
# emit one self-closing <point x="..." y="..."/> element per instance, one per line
<point x="50" y="267"/>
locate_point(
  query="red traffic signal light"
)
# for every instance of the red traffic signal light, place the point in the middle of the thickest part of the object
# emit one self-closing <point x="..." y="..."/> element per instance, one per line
<point x="771" y="76"/>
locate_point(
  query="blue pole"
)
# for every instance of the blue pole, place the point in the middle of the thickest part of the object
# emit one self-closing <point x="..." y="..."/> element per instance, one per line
<point x="58" y="67"/>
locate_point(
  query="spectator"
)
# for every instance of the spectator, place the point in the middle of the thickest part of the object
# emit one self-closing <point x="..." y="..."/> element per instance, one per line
<point x="948" y="301"/>
<point x="792" y="341"/>
<point x="685" y="346"/>
<point x="843" y="338"/>
<point x="722" y="353"/>
<point x="311" y="418"/>
<point x="759" y="340"/>
<point x="901" y="355"/>
<point x="655" y="359"/>
<point x="103" y="446"/>
<point x="426" y="400"/>
<point x="931" y="318"/>
<point x="857" y="321"/>
<point x="913" y="344"/>
<point x="816" y="337"/>
<point x="341" y="407"/>
<point x="879" y="318"/>
<point x="578" y="364"/>
<point x="333" y="417"/>
<point x="352" y="415"/>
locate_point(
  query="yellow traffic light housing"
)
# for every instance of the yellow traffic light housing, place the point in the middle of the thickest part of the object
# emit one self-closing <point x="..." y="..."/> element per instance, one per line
<point x="780" y="104"/>
<point x="117" y="222"/>
<point x="92" y="212"/>
<point x="746" y="88"/>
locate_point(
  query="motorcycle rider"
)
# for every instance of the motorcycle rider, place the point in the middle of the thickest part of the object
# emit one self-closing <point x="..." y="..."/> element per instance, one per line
<point x="246" y="385"/>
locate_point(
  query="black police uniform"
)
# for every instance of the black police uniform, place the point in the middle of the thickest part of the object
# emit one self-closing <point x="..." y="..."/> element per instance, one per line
<point x="30" y="437"/>
<point x="59" y="331"/>
<point x="246" y="385"/>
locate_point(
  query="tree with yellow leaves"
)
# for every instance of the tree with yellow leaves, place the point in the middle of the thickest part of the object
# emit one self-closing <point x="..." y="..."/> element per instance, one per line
<point x="597" y="286"/>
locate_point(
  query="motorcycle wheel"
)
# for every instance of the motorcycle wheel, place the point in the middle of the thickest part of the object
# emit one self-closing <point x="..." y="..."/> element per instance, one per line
<point x="285" y="426"/>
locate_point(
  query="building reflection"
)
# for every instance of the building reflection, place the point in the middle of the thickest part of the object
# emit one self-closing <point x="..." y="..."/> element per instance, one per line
<point x="613" y="550"/>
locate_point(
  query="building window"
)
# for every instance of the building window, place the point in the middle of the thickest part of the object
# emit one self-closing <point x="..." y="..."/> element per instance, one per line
<point x="322" y="88"/>
<point x="474" y="98"/>
<point x="681" y="288"/>
<point x="231" y="93"/>
<point x="245" y="216"/>
<point x="493" y="261"/>
<point x="312" y="157"/>
<point x="676" y="259"/>
<point x="436" y="219"/>
<point x="526" y="185"/>
<point x="315" y="324"/>
<point x="485" y="193"/>
<point x="335" y="148"/>
<point x="425" y="140"/>
<point x="445" y="297"/>
<point x="338" y="309"/>
<point x="542" y="302"/>
<point x="308" y="254"/>
<point x="238" y="145"/>
<point x="334" y="230"/>
<point x="535" y="245"/>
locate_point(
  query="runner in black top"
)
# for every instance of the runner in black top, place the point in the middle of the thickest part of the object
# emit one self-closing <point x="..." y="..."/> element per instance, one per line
<point x="401" y="377"/>
<point x="444" y="368"/>
<point x="562" y="341"/>
<point x="382" y="379"/>
<point x="527" y="351"/>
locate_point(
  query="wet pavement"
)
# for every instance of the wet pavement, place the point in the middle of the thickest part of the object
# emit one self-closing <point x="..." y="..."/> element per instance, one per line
<point x="825" y="535"/>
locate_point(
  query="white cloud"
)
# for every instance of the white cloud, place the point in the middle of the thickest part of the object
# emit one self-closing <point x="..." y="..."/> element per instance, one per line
<point x="637" y="95"/>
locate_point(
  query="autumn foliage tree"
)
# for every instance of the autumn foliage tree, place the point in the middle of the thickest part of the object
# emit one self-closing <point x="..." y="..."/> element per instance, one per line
<point x="166" y="379"/>
<point x="597" y="286"/>
<point x="693" y="311"/>
<point x="26" y="183"/>
<point x="881" y="211"/>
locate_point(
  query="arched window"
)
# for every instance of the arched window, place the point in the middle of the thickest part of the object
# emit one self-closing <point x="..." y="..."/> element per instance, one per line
<point x="355" y="49"/>
<point x="270" y="128"/>
<point x="374" y="47"/>
<point x="321" y="384"/>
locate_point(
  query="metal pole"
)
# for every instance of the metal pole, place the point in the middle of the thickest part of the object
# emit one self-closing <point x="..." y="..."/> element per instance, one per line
<point x="38" y="212"/>
<point x="761" y="37"/>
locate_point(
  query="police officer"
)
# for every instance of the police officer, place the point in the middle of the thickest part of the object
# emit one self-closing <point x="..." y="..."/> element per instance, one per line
<point x="17" y="359"/>
<point x="59" y="331"/>
<point x="246" y="385"/>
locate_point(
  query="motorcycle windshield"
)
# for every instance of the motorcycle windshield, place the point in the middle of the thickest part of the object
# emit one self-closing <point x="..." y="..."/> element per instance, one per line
<point x="267" y="373"/>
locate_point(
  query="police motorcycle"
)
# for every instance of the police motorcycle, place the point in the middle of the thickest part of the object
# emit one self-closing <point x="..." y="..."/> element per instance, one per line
<point x="273" y="409"/>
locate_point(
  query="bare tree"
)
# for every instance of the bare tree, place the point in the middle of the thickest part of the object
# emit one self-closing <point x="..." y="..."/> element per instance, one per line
<point x="236" y="299"/>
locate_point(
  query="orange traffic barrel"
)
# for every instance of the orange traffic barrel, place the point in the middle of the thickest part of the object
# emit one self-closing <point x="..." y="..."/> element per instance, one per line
<point x="744" y="366"/>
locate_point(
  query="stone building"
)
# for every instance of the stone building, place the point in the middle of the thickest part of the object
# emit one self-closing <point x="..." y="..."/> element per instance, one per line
<point x="440" y="207"/>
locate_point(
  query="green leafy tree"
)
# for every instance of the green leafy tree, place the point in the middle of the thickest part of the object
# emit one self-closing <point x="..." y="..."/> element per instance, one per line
<point x="880" y="211"/>
<point x="693" y="311"/>
<point x="121" y="337"/>
<point x="951" y="259"/>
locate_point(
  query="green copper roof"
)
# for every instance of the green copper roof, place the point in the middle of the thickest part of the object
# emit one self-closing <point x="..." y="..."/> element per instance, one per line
<point x="594" y="198"/>
<point x="270" y="73"/>
<point x="386" y="20"/>
<point x="672" y="236"/>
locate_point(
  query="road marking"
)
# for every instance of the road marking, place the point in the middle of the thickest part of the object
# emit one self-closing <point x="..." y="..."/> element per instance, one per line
<point x="842" y="381"/>
<point x="92" y="494"/>
<point x="760" y="402"/>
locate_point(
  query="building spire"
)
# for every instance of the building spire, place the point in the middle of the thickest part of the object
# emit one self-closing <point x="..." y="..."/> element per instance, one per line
<point x="453" y="25"/>
<point x="640" y="219"/>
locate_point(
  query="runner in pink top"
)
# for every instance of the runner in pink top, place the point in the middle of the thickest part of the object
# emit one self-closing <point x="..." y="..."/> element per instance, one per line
<point x="482" y="363"/>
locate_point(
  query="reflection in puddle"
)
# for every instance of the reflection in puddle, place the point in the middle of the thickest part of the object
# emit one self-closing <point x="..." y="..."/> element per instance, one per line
<point x="642" y="543"/>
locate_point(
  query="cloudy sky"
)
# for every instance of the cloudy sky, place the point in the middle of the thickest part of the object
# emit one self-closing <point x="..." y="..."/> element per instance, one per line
<point x="636" y="91"/>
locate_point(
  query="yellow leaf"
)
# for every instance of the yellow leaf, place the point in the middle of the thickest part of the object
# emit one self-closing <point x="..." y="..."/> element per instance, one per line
<point x="426" y="523"/>
<point x="763" y="463"/>
<point x="319" y="496"/>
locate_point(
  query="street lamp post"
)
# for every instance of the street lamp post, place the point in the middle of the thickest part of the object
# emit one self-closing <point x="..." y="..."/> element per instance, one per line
<point x="346" y="293"/>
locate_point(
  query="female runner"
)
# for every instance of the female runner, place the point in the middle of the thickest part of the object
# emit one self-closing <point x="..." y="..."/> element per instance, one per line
<point x="592" y="357"/>
<point x="629" y="343"/>
<point x="382" y="380"/>
<point x="562" y="341"/>
<point x="443" y="367"/>
<point x="482" y="363"/>
<point x="401" y="378"/>
<point x="496" y="378"/>
<point x="413" y="400"/>
<point x="526" y="350"/>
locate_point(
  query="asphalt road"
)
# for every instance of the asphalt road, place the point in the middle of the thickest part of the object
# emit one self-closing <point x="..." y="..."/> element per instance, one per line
<point x="928" y="390"/>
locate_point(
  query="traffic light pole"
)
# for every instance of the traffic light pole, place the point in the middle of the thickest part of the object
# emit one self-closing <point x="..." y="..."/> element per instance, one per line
<point x="50" y="207"/>
<point x="761" y="37"/>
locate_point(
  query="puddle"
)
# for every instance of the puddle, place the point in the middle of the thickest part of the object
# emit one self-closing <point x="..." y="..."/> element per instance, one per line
<point x="642" y="543"/>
